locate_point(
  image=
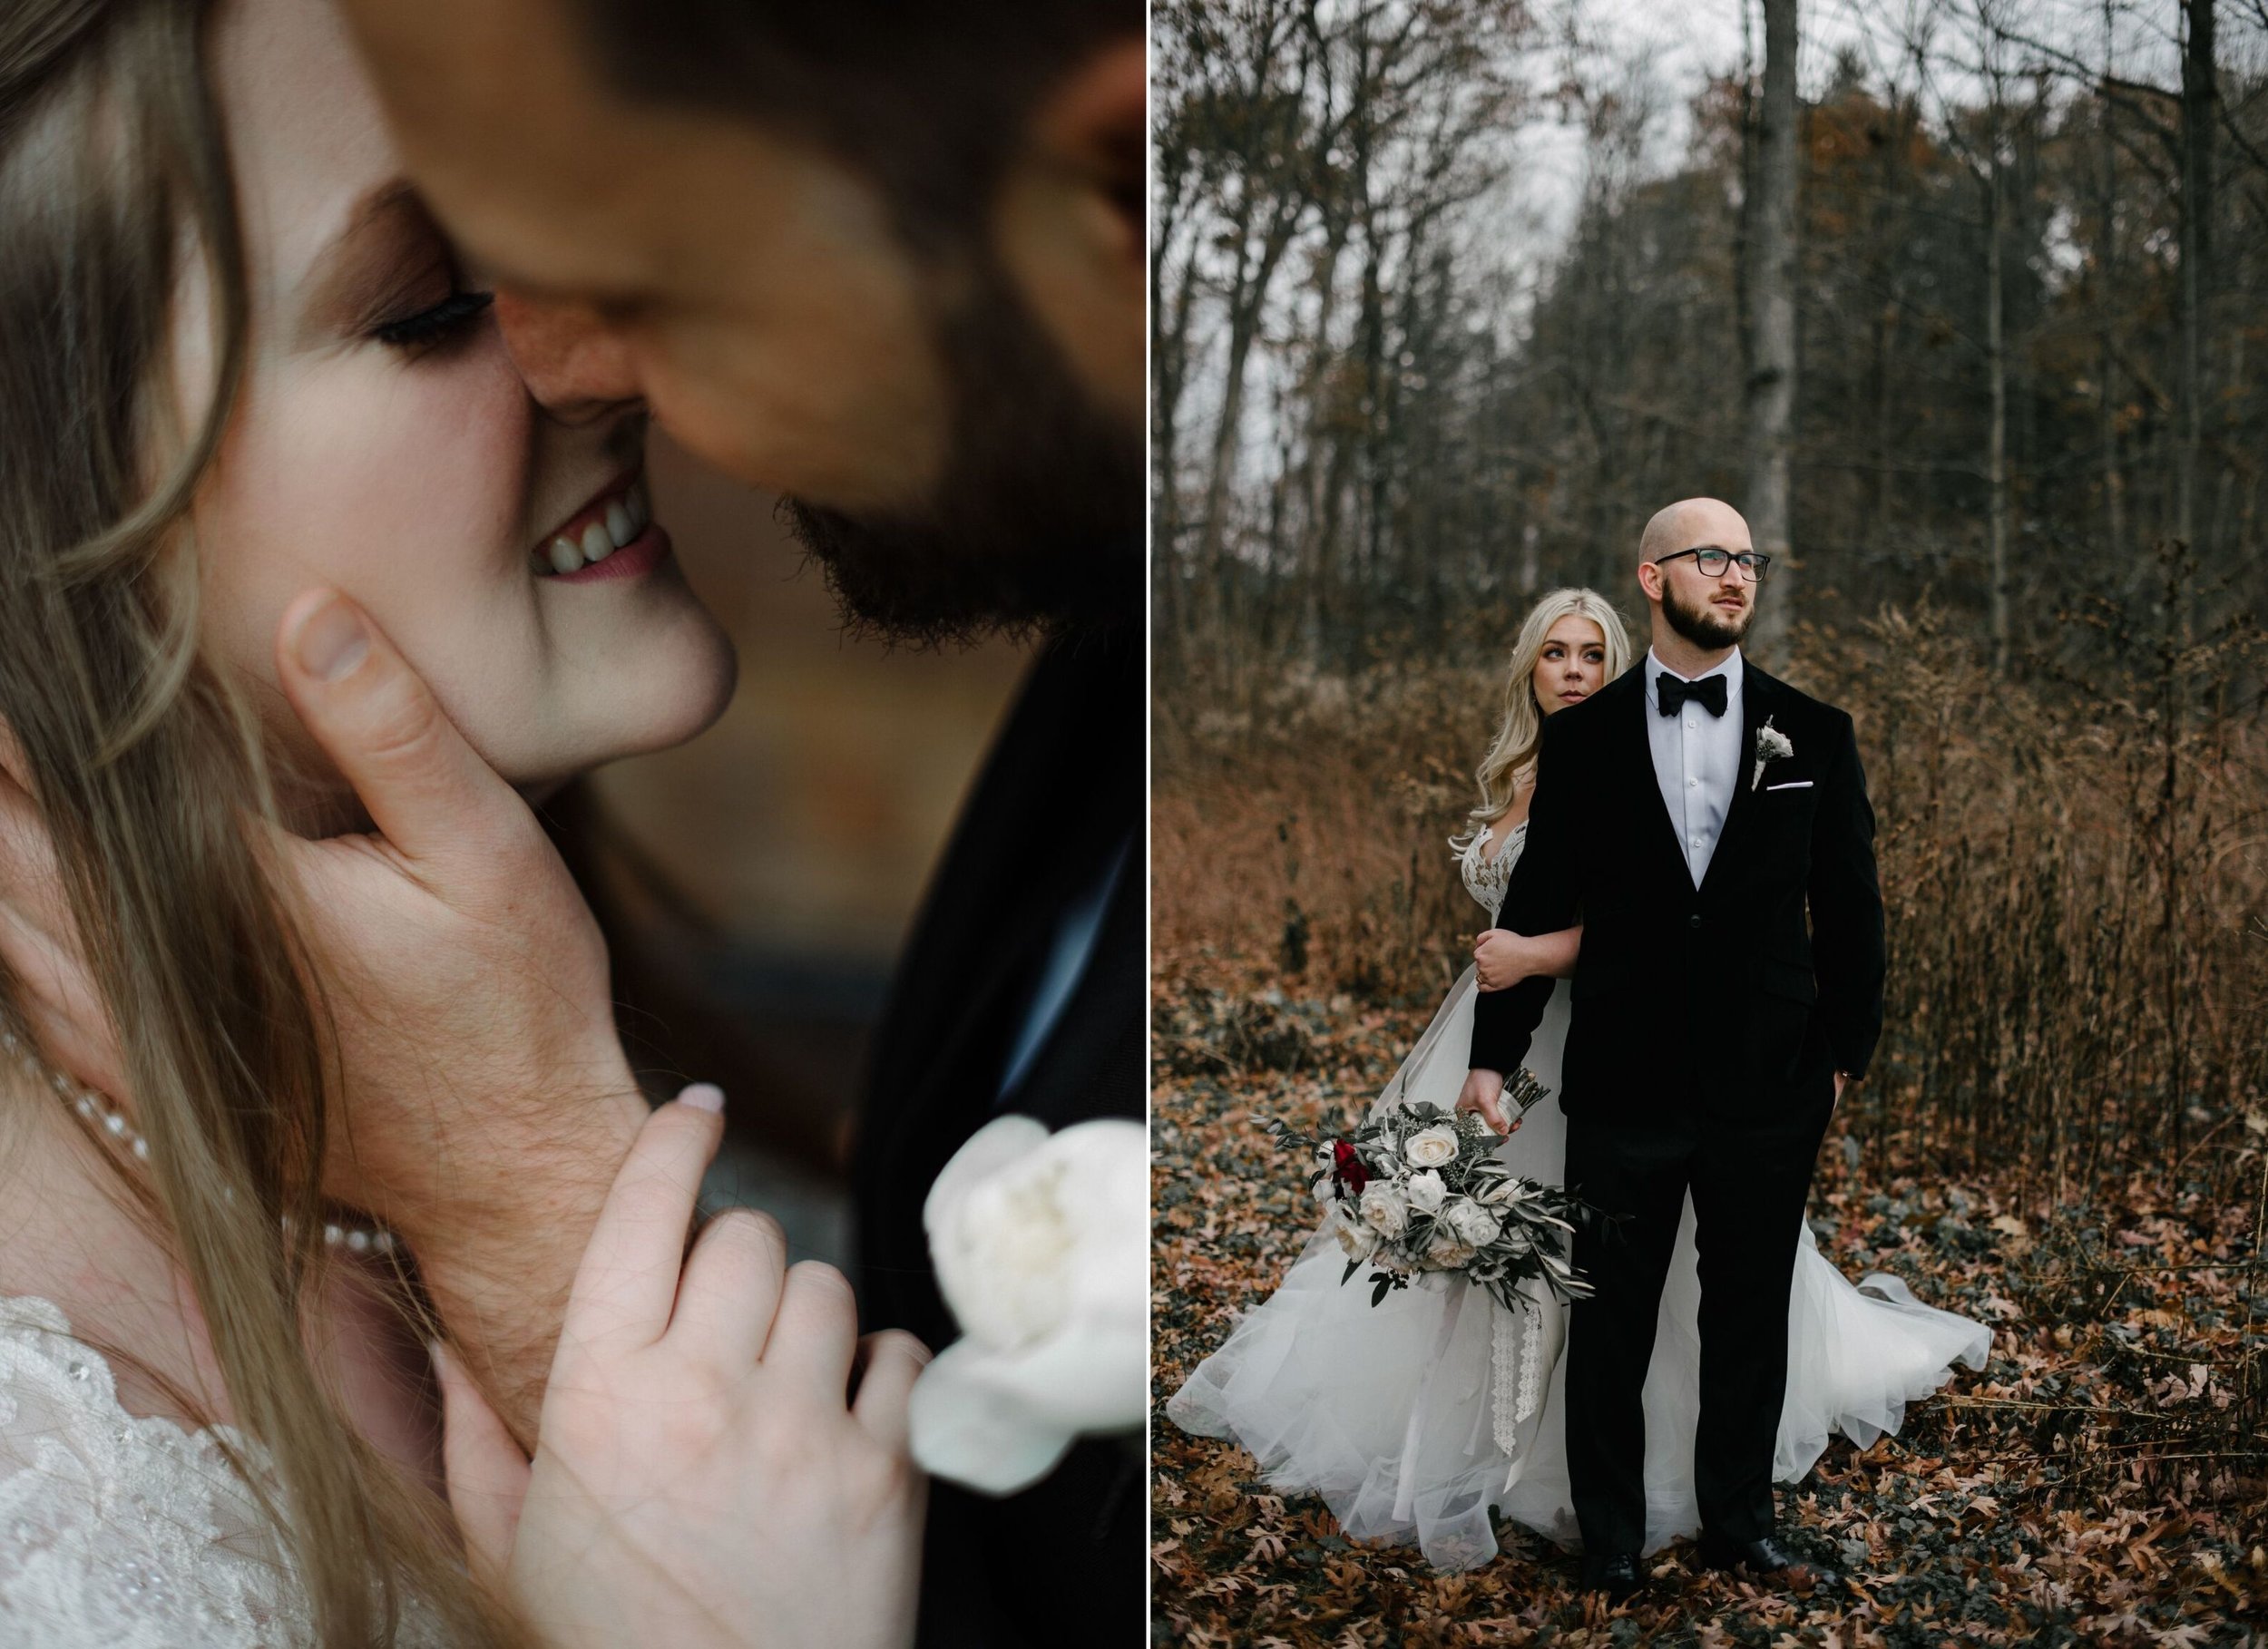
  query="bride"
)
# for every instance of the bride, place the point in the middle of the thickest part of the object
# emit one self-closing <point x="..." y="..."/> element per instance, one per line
<point x="240" y="361"/>
<point x="1413" y="1419"/>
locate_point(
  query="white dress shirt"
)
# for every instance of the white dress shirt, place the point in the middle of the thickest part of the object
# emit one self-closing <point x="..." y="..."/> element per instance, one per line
<point x="1696" y="760"/>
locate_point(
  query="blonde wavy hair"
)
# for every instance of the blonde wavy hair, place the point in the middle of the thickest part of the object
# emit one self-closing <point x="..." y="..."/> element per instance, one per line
<point x="1513" y="751"/>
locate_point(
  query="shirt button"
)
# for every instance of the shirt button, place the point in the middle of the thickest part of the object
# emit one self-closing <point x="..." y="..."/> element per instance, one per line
<point x="1692" y="783"/>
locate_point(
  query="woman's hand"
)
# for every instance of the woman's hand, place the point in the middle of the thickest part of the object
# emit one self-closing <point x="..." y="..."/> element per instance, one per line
<point x="700" y="1477"/>
<point x="1502" y="958"/>
<point x="1484" y="1092"/>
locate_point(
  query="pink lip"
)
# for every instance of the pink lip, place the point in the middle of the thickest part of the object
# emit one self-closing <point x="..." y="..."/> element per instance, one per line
<point x="634" y="560"/>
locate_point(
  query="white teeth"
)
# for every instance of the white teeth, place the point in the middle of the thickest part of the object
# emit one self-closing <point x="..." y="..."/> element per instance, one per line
<point x="625" y="517"/>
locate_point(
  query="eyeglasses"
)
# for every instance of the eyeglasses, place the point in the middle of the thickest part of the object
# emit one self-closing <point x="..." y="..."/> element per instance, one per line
<point x="1753" y="564"/>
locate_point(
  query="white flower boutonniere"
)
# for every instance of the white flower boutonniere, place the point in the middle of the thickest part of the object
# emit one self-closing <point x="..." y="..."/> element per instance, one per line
<point x="1771" y="745"/>
<point x="1041" y="1245"/>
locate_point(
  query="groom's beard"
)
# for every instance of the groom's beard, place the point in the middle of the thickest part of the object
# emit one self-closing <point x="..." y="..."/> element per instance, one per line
<point x="1038" y="524"/>
<point x="1704" y="626"/>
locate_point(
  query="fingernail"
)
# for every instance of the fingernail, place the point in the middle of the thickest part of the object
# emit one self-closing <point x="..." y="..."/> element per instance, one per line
<point x="704" y="1097"/>
<point x="332" y="640"/>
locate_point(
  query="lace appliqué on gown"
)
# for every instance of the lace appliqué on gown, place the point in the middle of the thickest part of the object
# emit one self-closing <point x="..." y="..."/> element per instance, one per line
<point x="1516" y="1353"/>
<point x="121" y="1531"/>
<point x="1486" y="877"/>
<point x="1516" y="1339"/>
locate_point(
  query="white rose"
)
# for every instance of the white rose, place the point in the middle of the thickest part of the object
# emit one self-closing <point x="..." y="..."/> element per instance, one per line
<point x="1041" y="1247"/>
<point x="1359" y="1241"/>
<point x="1472" y="1223"/>
<point x="1426" y="1191"/>
<point x="1432" y="1147"/>
<point x="1445" y="1252"/>
<point x="1385" y="1208"/>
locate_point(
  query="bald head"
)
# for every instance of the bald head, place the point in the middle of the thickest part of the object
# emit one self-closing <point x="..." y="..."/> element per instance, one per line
<point x="1692" y="523"/>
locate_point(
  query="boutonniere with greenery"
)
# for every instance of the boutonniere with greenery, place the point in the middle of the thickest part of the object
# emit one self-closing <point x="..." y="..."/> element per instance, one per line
<point x="1771" y="745"/>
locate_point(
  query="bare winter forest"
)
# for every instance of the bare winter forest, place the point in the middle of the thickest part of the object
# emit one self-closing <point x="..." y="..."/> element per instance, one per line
<point x="1965" y="303"/>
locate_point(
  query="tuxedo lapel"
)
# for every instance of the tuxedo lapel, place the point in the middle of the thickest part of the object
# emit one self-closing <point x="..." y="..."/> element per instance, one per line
<point x="1759" y="699"/>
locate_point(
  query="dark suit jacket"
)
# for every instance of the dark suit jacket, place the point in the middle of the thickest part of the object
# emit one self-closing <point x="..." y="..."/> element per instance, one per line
<point x="1062" y="791"/>
<point x="1723" y="995"/>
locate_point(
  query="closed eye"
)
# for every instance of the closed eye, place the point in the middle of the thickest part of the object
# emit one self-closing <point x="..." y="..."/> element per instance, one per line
<point x="452" y="316"/>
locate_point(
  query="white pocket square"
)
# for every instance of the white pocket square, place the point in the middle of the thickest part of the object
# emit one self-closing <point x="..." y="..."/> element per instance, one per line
<point x="1792" y="784"/>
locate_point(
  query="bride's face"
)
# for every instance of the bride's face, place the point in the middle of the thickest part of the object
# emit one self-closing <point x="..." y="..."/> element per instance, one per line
<point x="1572" y="665"/>
<point x="383" y="443"/>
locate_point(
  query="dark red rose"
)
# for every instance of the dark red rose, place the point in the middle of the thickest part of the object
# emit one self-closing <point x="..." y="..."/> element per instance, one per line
<point x="1347" y="1166"/>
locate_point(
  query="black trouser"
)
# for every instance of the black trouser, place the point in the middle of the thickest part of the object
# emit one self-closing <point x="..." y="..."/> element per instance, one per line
<point x="1749" y="1179"/>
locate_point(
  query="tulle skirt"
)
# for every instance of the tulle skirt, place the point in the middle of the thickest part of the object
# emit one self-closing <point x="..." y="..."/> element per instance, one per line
<point x="1391" y="1413"/>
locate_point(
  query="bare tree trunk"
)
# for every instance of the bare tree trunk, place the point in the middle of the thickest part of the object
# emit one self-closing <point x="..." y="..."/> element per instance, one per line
<point x="1997" y="380"/>
<point x="1320" y="519"/>
<point x="1770" y="290"/>
<point x="2107" y="345"/>
<point x="1169" y="353"/>
<point x="2200" y="111"/>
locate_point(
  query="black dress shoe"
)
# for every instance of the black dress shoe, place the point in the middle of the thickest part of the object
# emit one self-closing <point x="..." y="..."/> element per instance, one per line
<point x="1614" y="1573"/>
<point x="1766" y="1559"/>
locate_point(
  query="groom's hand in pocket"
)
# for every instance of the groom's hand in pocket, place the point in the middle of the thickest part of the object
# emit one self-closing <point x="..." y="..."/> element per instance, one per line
<point x="487" y="1100"/>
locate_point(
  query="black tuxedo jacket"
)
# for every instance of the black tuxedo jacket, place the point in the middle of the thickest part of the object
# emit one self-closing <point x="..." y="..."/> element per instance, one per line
<point x="1723" y="995"/>
<point x="1061" y="793"/>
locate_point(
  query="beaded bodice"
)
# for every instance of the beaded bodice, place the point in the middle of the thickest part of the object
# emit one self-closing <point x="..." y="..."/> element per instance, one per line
<point x="118" y="1530"/>
<point x="1486" y="877"/>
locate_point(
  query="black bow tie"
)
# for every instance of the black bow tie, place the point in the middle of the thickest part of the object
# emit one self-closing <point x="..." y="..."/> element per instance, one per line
<point x="1708" y="693"/>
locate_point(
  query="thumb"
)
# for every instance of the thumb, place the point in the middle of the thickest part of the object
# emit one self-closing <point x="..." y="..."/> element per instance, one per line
<point x="487" y="1474"/>
<point x="428" y="792"/>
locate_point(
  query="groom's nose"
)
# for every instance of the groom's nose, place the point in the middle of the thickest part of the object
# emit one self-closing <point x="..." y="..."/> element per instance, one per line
<point x="575" y="364"/>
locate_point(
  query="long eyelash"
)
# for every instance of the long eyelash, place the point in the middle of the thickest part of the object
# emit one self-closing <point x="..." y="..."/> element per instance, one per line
<point x="452" y="315"/>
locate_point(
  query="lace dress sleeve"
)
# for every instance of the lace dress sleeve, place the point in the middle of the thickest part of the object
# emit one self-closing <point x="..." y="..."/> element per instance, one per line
<point x="118" y="1530"/>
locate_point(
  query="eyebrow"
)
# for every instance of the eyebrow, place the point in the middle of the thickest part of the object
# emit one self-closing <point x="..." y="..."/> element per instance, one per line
<point x="332" y="281"/>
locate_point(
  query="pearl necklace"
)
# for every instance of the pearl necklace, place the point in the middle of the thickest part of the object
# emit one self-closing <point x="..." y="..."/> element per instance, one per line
<point x="97" y="1109"/>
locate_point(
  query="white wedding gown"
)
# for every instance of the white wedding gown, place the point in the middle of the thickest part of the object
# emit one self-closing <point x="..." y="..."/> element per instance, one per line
<point x="1393" y="1414"/>
<point x="119" y="1531"/>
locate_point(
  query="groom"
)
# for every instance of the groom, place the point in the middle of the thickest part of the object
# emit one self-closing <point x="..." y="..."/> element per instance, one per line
<point x="1691" y="815"/>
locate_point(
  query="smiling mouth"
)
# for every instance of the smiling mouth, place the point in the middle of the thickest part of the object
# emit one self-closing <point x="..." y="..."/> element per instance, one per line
<point x="612" y="521"/>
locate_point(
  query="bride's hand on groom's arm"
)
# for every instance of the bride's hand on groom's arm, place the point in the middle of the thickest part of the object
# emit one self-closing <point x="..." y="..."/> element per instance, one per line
<point x="700" y="1476"/>
<point x="488" y="1099"/>
<point x="1502" y="958"/>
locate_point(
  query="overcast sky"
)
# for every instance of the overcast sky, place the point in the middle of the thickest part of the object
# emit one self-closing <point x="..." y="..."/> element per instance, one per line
<point x="1685" y="42"/>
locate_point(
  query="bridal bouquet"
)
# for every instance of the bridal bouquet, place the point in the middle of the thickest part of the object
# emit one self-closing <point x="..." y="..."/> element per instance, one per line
<point x="1419" y="1192"/>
